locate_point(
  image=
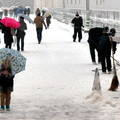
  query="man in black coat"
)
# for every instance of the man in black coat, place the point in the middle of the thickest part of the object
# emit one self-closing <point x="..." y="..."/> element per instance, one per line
<point x="105" y="50"/>
<point x="77" y="21"/>
<point x="93" y="35"/>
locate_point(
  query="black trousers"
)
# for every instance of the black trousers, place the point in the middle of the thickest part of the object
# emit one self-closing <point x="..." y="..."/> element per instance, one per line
<point x="39" y="34"/>
<point x="94" y="48"/>
<point x="79" y="32"/>
<point x="8" y="45"/>
<point x="105" y="61"/>
<point x="22" y="43"/>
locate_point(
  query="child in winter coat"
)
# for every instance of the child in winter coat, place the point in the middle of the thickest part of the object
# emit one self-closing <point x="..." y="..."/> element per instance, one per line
<point x="6" y="85"/>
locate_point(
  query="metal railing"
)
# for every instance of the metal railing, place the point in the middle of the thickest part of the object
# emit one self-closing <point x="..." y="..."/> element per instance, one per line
<point x="98" y="18"/>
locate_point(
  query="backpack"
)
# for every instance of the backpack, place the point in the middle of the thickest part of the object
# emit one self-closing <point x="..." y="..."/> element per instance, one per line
<point x="13" y="31"/>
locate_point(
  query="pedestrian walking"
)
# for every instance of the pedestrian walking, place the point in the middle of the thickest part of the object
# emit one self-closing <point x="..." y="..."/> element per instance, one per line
<point x="77" y="21"/>
<point x="21" y="33"/>
<point x="93" y="35"/>
<point x="8" y="38"/>
<point x="37" y="11"/>
<point x="48" y="21"/>
<point x="105" y="50"/>
<point x="6" y="85"/>
<point x="39" y="21"/>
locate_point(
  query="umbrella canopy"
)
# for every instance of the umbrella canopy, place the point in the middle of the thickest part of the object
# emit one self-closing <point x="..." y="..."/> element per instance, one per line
<point x="26" y="17"/>
<point x="18" y="61"/>
<point x="47" y="14"/>
<point x="10" y="22"/>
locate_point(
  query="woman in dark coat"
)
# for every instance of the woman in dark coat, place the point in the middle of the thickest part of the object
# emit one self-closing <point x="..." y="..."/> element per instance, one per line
<point x="8" y="38"/>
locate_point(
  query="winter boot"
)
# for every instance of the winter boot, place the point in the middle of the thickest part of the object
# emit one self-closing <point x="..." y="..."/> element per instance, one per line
<point x="2" y="108"/>
<point x="7" y="107"/>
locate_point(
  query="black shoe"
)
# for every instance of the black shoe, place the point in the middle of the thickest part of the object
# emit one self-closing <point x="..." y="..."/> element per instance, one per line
<point x="7" y="107"/>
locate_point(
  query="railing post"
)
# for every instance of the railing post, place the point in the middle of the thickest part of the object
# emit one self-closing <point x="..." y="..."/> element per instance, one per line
<point x="63" y="19"/>
<point x="87" y="19"/>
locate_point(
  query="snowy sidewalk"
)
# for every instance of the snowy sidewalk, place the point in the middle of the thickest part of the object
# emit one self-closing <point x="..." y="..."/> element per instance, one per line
<point x="57" y="79"/>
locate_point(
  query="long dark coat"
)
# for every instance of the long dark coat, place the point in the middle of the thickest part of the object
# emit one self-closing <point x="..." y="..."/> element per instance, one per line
<point x="6" y="81"/>
<point x="8" y="38"/>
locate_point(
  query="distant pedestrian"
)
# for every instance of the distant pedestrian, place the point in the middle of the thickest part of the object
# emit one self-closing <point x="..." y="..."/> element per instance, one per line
<point x="39" y="21"/>
<point x="6" y="85"/>
<point x="8" y="38"/>
<point x="48" y="21"/>
<point x="37" y="11"/>
<point x="77" y="21"/>
<point x="21" y="33"/>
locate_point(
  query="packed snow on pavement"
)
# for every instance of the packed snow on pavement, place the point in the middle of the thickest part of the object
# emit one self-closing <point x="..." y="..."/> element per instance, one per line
<point x="58" y="80"/>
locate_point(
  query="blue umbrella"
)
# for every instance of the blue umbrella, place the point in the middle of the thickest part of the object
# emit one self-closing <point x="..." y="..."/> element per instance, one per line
<point x="17" y="60"/>
<point x="26" y="17"/>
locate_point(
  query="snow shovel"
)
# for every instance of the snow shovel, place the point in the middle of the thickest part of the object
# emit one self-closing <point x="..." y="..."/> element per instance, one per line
<point x="115" y="81"/>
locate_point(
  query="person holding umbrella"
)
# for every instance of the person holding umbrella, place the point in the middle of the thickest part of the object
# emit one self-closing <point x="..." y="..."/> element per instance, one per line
<point x="6" y="24"/>
<point x="39" y="21"/>
<point x="48" y="21"/>
<point x="12" y="62"/>
<point x="6" y="84"/>
<point x="21" y="33"/>
<point x="8" y="38"/>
